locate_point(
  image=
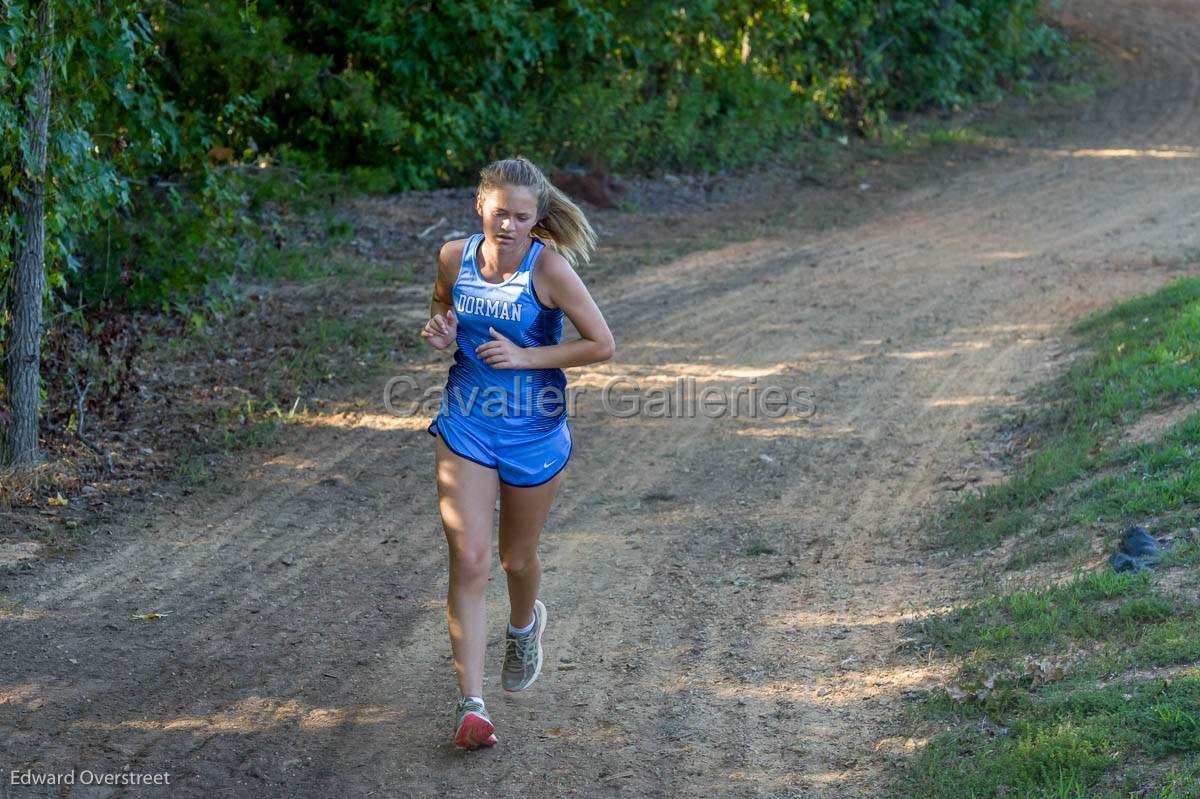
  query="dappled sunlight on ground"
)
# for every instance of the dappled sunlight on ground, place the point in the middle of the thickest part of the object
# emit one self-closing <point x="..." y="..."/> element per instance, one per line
<point x="602" y="375"/>
<point x="20" y="614"/>
<point x="258" y="714"/>
<point x="1006" y="255"/>
<point x="13" y="552"/>
<point x="28" y="694"/>
<point x="973" y="399"/>
<point x="799" y="427"/>
<point x="1164" y="152"/>
<point x="846" y="686"/>
<point x="1027" y="327"/>
<point x="371" y="421"/>
<point x="797" y="619"/>
<point x="954" y="349"/>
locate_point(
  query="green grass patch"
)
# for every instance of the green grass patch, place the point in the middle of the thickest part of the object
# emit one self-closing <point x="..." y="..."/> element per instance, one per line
<point x="1039" y="549"/>
<point x="333" y="348"/>
<point x="1144" y="354"/>
<point x="943" y="136"/>
<point x="198" y="461"/>
<point x="1066" y="741"/>
<point x="999" y="628"/>
<point x="240" y="429"/>
<point x="301" y="263"/>
<point x="759" y="548"/>
<point x="1089" y="687"/>
<point x="1045" y="703"/>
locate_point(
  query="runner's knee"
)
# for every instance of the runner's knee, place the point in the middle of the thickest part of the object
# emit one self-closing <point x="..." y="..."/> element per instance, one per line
<point x="521" y="565"/>
<point x="470" y="565"/>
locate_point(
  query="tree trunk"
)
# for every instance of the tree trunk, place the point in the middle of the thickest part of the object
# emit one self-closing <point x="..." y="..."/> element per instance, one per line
<point x="29" y="270"/>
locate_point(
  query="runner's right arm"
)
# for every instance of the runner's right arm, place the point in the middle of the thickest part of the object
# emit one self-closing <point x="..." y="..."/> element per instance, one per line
<point x="442" y="326"/>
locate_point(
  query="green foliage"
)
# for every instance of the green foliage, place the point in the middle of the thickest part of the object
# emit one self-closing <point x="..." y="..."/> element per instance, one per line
<point x="133" y="207"/>
<point x="99" y="56"/>
<point x="431" y="91"/>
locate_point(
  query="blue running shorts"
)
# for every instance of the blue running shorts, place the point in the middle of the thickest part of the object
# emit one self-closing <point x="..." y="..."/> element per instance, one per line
<point x="520" y="460"/>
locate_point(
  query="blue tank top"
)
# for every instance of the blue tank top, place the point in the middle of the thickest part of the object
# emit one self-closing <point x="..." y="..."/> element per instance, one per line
<point x="511" y="400"/>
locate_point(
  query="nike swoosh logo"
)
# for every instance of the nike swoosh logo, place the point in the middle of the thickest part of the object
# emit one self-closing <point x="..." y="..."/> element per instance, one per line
<point x="546" y="465"/>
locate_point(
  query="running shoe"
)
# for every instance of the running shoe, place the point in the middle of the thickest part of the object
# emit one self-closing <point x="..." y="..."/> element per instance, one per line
<point x="474" y="728"/>
<point x="523" y="653"/>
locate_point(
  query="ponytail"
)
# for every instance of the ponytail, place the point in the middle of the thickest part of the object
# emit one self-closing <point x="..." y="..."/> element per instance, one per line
<point x="565" y="226"/>
<point x="561" y="223"/>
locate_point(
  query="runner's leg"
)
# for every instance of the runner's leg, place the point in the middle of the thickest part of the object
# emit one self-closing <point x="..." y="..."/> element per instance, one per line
<point x="523" y="513"/>
<point x="466" y="500"/>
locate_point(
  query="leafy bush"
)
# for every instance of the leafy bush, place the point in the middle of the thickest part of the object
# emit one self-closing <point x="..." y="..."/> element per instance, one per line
<point x="431" y="91"/>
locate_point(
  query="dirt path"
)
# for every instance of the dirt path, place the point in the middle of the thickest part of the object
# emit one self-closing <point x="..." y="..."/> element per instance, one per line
<point x="725" y="594"/>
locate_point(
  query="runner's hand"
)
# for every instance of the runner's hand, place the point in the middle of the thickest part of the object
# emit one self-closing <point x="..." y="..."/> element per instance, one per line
<point x="440" y="331"/>
<point x="502" y="353"/>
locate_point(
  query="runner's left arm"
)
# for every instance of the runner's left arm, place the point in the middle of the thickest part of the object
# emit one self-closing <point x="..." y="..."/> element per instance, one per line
<point x="558" y="286"/>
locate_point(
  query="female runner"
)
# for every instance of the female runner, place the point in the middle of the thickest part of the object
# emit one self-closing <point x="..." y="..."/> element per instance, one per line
<point x="502" y="425"/>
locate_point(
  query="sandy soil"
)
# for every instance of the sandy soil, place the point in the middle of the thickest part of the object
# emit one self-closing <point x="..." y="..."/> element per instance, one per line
<point x="726" y="595"/>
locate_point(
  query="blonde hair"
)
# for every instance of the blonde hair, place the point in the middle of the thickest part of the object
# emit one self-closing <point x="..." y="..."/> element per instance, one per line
<point x="561" y="223"/>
